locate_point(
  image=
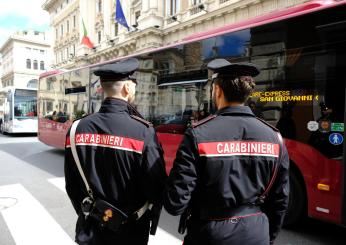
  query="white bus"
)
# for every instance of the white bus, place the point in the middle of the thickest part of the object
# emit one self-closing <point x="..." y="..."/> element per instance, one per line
<point x="19" y="110"/>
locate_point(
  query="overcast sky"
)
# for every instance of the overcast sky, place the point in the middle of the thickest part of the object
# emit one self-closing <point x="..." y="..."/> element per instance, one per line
<point x="17" y="15"/>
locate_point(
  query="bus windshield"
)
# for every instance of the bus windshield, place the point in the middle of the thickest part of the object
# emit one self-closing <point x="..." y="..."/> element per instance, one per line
<point x="25" y="102"/>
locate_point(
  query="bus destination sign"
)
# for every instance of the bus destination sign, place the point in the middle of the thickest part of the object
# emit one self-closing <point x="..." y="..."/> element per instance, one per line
<point x="284" y="96"/>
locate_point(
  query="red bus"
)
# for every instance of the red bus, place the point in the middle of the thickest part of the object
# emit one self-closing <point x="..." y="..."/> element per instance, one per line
<point x="301" y="90"/>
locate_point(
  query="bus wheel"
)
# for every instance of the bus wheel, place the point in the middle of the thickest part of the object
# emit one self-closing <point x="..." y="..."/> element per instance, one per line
<point x="297" y="202"/>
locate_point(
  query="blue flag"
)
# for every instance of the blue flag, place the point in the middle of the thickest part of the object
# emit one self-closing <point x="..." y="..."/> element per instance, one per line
<point x="119" y="15"/>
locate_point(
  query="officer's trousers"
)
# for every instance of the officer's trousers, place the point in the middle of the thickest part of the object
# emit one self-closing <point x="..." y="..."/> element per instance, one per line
<point x="252" y="230"/>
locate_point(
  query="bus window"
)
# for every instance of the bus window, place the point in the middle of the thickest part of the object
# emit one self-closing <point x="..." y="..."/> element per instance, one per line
<point x="78" y="92"/>
<point x="330" y="109"/>
<point x="51" y="96"/>
<point x="181" y="104"/>
<point x="25" y="103"/>
<point x="96" y="94"/>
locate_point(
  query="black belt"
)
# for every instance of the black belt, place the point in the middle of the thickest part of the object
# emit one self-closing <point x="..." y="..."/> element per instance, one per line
<point x="235" y="213"/>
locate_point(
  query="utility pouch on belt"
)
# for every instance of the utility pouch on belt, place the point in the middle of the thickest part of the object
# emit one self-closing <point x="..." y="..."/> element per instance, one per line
<point x="107" y="215"/>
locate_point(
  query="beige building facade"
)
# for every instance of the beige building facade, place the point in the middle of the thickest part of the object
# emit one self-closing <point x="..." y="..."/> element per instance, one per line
<point x="25" y="55"/>
<point x="153" y="23"/>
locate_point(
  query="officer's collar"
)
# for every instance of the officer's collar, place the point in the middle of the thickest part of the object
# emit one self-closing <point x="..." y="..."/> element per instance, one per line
<point x="114" y="105"/>
<point x="245" y="110"/>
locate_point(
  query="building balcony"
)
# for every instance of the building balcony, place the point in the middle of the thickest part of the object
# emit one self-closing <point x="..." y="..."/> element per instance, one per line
<point x="196" y="9"/>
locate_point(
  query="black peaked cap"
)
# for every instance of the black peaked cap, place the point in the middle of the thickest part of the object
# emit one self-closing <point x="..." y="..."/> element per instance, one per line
<point x="117" y="70"/>
<point x="224" y="67"/>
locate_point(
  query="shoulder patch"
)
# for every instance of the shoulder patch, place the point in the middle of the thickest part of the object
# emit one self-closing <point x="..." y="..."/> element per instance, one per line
<point x="207" y="119"/>
<point x="146" y="123"/>
<point x="270" y="126"/>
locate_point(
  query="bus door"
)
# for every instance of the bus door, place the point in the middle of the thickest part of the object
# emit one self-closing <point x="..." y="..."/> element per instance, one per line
<point x="330" y="81"/>
<point x="333" y="35"/>
<point x="8" y="112"/>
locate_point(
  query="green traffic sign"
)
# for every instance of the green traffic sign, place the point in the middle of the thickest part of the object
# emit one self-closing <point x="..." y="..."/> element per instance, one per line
<point x="337" y="127"/>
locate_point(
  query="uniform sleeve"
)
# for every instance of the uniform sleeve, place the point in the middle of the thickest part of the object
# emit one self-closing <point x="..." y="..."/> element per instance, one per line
<point x="277" y="201"/>
<point x="183" y="176"/>
<point x="154" y="167"/>
<point x="73" y="180"/>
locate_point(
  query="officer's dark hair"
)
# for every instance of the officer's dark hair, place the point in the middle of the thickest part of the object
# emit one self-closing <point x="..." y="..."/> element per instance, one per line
<point x="236" y="89"/>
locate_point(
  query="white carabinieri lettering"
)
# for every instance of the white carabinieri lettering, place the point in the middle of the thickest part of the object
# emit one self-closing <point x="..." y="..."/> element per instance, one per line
<point x="245" y="148"/>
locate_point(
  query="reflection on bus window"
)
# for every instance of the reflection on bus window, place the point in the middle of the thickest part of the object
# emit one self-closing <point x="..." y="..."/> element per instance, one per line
<point x="286" y="124"/>
<point x="172" y="93"/>
<point x="96" y="94"/>
<point x="180" y="105"/>
<point x="78" y="94"/>
<point x="229" y="45"/>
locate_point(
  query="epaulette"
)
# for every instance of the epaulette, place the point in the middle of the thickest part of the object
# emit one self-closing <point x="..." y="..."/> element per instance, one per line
<point x="207" y="119"/>
<point x="81" y="117"/>
<point x="146" y="123"/>
<point x="272" y="127"/>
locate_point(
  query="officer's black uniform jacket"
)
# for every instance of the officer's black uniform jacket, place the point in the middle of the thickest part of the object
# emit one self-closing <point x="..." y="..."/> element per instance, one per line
<point x="121" y="158"/>
<point x="213" y="165"/>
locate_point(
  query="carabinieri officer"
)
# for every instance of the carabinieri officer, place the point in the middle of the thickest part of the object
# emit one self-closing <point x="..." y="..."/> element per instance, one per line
<point x="230" y="177"/>
<point x="122" y="161"/>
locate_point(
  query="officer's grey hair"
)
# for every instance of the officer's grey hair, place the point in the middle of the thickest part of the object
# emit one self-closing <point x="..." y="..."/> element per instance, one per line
<point x="113" y="88"/>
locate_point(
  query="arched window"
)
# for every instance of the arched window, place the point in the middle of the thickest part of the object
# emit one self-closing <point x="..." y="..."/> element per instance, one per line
<point x="35" y="65"/>
<point x="32" y="83"/>
<point x="28" y="63"/>
<point x="41" y="65"/>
